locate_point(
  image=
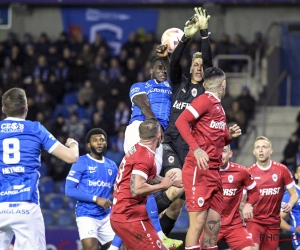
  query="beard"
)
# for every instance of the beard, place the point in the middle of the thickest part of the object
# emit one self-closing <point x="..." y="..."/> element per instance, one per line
<point x="100" y="154"/>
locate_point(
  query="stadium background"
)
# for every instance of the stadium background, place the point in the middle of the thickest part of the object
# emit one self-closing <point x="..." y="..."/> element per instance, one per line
<point x="73" y="86"/>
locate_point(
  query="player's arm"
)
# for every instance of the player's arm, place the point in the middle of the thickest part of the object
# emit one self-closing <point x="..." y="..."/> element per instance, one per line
<point x="158" y="179"/>
<point x="283" y="224"/>
<point x="243" y="202"/>
<point x="162" y="51"/>
<point x="287" y="207"/>
<point x="140" y="187"/>
<point x="231" y="133"/>
<point x="68" y="153"/>
<point x="143" y="103"/>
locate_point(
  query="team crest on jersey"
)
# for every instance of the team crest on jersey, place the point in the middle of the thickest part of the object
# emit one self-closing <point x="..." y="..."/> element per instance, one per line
<point x="167" y="84"/>
<point x="171" y="159"/>
<point x="274" y="177"/>
<point x="230" y="178"/>
<point x="110" y="172"/>
<point x="200" y="201"/>
<point x="158" y="243"/>
<point x="194" y="92"/>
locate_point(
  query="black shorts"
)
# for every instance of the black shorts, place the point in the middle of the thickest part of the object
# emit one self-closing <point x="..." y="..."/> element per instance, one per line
<point x="173" y="157"/>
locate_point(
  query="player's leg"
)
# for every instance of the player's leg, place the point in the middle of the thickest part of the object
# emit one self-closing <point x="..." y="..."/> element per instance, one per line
<point x="238" y="238"/>
<point x="106" y="234"/>
<point x="116" y="243"/>
<point x="131" y="135"/>
<point x="271" y="239"/>
<point x="257" y="232"/>
<point x="6" y="233"/>
<point x="197" y="221"/>
<point x="88" y="232"/>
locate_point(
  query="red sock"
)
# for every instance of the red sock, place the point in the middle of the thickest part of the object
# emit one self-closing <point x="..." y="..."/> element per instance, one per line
<point x="194" y="247"/>
<point x="210" y="248"/>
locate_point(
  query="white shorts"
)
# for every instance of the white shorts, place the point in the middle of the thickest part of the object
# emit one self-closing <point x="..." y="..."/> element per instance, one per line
<point x="26" y="222"/>
<point x="132" y="137"/>
<point x="93" y="228"/>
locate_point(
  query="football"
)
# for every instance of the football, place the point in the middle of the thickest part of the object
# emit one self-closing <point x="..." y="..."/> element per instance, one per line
<point x="171" y="37"/>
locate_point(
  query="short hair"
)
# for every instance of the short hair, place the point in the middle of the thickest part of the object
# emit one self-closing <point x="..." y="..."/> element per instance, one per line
<point x="213" y="77"/>
<point x="149" y="128"/>
<point x="155" y="59"/>
<point x="196" y="55"/>
<point x="95" y="131"/>
<point x="258" y="138"/>
<point x="14" y="102"/>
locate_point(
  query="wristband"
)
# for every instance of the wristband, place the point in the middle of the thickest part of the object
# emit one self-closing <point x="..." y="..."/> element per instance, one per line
<point x="72" y="141"/>
<point x="94" y="198"/>
<point x="185" y="39"/>
<point x="204" y="33"/>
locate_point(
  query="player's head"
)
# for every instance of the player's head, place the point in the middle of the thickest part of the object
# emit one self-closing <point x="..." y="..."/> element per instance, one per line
<point x="196" y="69"/>
<point x="14" y="103"/>
<point x="96" y="140"/>
<point x="262" y="149"/>
<point x="215" y="81"/>
<point x="297" y="173"/>
<point x="158" y="70"/>
<point x="150" y="130"/>
<point x="226" y="155"/>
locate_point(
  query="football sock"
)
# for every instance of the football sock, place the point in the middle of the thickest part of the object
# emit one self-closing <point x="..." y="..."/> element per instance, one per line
<point x="210" y="248"/>
<point x="153" y="214"/>
<point x="167" y="224"/>
<point x="194" y="247"/>
<point x="162" y="202"/>
<point x="116" y="243"/>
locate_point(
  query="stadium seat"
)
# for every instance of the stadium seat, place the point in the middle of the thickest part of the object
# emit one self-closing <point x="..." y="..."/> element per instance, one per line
<point x="43" y="202"/>
<point x="48" y="218"/>
<point x="71" y="204"/>
<point x="65" y="219"/>
<point x="43" y="170"/>
<point x="46" y="185"/>
<point x="56" y="202"/>
<point x="60" y="187"/>
<point x="70" y="98"/>
<point x="182" y="223"/>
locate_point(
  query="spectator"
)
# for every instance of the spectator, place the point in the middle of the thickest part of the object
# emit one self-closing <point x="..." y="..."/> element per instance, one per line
<point x="78" y="74"/>
<point x="87" y="55"/>
<point x="131" y="70"/>
<point x="95" y="69"/>
<point x="290" y="151"/>
<point x="52" y="56"/>
<point x="86" y="94"/>
<point x="41" y="70"/>
<point x="74" y="127"/>
<point x="98" y="42"/>
<point x="236" y="116"/>
<point x="121" y="116"/>
<point x="62" y="42"/>
<point x="131" y="44"/>
<point x="114" y="70"/>
<point x="15" y="79"/>
<point x="16" y="56"/>
<point x="43" y="44"/>
<point x="30" y="61"/>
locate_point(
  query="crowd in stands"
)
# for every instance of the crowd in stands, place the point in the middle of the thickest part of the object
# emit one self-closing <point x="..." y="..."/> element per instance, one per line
<point x="73" y="85"/>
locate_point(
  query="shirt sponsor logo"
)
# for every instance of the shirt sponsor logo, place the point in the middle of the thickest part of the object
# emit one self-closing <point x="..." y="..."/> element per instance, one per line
<point x="16" y="189"/>
<point x="180" y="105"/>
<point x="99" y="184"/>
<point x="17" y="169"/>
<point x="14" y="211"/>
<point x="269" y="191"/>
<point x="135" y="90"/>
<point x="12" y="127"/>
<point x="165" y="91"/>
<point x="229" y="191"/>
<point x="217" y="125"/>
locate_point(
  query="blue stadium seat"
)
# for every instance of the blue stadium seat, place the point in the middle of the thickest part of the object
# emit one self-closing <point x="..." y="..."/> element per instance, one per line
<point x="43" y="170"/>
<point x="65" y="219"/>
<point x="56" y="202"/>
<point x="70" y="98"/>
<point x="48" y="218"/>
<point x="43" y="202"/>
<point x="182" y="223"/>
<point x="46" y="185"/>
<point x="81" y="112"/>
<point x="60" y="187"/>
<point x="71" y="204"/>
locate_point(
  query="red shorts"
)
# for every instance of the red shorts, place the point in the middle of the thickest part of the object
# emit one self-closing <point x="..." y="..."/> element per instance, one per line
<point x="237" y="237"/>
<point x="266" y="237"/>
<point x="137" y="234"/>
<point x="203" y="188"/>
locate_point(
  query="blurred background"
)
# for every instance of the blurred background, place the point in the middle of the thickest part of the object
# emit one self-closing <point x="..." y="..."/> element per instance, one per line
<point x="77" y="60"/>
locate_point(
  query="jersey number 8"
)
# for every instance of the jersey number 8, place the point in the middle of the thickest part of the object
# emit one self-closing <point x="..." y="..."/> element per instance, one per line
<point x="11" y="150"/>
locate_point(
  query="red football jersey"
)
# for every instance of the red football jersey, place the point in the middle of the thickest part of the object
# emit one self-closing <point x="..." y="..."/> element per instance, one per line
<point x="209" y="129"/>
<point x="234" y="178"/>
<point x="140" y="161"/>
<point x="271" y="182"/>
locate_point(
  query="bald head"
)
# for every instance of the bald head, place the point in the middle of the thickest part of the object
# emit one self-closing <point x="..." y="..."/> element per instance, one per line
<point x="149" y="128"/>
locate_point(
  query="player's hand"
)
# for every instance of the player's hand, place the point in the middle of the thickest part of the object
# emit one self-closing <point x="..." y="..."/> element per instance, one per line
<point x="105" y="203"/>
<point x="162" y="50"/>
<point x="202" y="18"/>
<point x="235" y="131"/>
<point x="70" y="141"/>
<point x="287" y="207"/>
<point x="191" y="27"/>
<point x="178" y="184"/>
<point x="168" y="181"/>
<point x="248" y="211"/>
<point x="201" y="158"/>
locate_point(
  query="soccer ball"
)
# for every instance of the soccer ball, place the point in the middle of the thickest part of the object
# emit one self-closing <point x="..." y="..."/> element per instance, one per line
<point x="171" y="37"/>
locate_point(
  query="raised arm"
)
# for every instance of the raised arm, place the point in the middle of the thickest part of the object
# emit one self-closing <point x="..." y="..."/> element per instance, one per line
<point x="68" y="153"/>
<point x="143" y="103"/>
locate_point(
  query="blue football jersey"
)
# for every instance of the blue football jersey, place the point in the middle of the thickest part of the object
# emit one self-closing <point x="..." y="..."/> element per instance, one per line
<point x="160" y="98"/>
<point x="94" y="177"/>
<point x="20" y="158"/>
<point x="294" y="215"/>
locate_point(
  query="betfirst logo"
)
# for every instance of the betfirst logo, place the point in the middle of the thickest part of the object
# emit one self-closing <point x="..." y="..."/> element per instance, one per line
<point x="180" y="105"/>
<point x="217" y="125"/>
<point x="269" y="191"/>
<point x="229" y="191"/>
<point x="99" y="184"/>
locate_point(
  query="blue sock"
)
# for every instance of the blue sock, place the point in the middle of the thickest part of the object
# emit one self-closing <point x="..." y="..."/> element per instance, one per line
<point x="153" y="212"/>
<point x="117" y="241"/>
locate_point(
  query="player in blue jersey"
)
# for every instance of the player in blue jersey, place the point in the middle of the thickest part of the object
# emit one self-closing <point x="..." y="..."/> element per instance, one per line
<point x="90" y="181"/>
<point x="21" y="143"/>
<point x="294" y="215"/>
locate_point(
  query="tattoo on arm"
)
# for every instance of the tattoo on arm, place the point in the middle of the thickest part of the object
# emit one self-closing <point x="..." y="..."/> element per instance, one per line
<point x="132" y="184"/>
<point x="156" y="180"/>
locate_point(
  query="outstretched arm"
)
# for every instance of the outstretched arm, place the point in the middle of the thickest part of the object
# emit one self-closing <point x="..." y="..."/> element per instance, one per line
<point x="143" y="103"/>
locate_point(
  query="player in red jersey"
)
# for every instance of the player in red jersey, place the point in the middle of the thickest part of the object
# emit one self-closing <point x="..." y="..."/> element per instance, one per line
<point x="201" y="178"/>
<point x="136" y="179"/>
<point x="271" y="178"/>
<point x="234" y="179"/>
